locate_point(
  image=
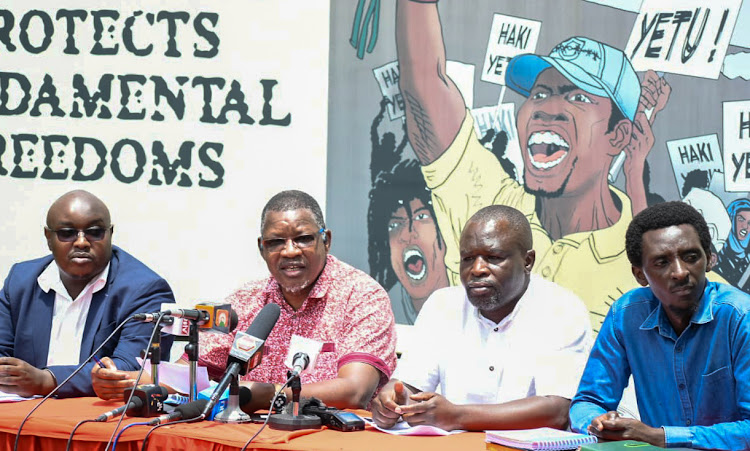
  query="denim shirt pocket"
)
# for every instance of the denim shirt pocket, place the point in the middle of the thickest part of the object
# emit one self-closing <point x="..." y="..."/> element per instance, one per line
<point x="717" y="402"/>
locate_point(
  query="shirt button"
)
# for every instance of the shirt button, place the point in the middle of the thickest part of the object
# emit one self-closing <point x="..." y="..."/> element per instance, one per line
<point x="678" y="349"/>
<point x="496" y="329"/>
<point x="688" y="422"/>
<point x="557" y="249"/>
<point x="682" y="387"/>
<point x="546" y="271"/>
<point x="492" y="368"/>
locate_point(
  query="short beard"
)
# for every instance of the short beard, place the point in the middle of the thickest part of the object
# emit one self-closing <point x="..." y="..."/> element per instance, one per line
<point x="298" y="288"/>
<point x="541" y="192"/>
<point x="486" y="303"/>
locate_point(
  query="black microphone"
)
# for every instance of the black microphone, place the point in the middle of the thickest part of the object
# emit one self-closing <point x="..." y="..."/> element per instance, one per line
<point x="201" y="316"/>
<point x="135" y="404"/>
<point x="299" y="363"/>
<point x="152" y="400"/>
<point x="188" y="410"/>
<point x="214" y="317"/>
<point x="246" y="350"/>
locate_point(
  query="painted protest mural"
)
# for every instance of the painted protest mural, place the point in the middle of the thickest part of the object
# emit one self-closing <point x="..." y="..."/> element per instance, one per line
<point x="180" y="118"/>
<point x="582" y="113"/>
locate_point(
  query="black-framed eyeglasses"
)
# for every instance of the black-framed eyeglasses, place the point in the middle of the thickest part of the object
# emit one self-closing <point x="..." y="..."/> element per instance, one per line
<point x="300" y="242"/>
<point x="68" y="235"/>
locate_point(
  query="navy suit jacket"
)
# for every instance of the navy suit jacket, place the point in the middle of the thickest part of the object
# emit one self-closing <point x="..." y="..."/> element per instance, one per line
<point x="26" y="318"/>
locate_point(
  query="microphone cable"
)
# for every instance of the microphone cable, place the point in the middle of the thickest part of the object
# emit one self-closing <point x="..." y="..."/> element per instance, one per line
<point x="114" y="444"/>
<point x="70" y="438"/>
<point x="76" y="371"/>
<point x="270" y="412"/>
<point x="186" y="420"/>
<point x="140" y="373"/>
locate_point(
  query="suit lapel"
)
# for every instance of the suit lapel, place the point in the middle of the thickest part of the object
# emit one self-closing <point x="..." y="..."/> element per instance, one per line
<point x="40" y="318"/>
<point x="97" y="309"/>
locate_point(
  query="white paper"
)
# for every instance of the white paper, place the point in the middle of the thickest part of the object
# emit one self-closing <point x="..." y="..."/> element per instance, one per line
<point x="403" y="428"/>
<point x="177" y="375"/>
<point x="12" y="397"/>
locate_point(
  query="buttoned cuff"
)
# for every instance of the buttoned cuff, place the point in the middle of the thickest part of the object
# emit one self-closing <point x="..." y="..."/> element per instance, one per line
<point x="437" y="172"/>
<point x="675" y="437"/>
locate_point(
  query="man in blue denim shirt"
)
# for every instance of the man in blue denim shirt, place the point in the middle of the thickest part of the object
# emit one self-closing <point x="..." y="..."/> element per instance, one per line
<point x="685" y="340"/>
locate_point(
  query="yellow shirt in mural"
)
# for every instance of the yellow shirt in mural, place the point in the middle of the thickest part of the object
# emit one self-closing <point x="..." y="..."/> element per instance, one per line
<point x="591" y="264"/>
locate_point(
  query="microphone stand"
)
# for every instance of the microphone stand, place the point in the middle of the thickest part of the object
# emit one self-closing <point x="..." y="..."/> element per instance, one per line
<point x="293" y="421"/>
<point x="191" y="349"/>
<point x="155" y="353"/>
<point x="233" y="413"/>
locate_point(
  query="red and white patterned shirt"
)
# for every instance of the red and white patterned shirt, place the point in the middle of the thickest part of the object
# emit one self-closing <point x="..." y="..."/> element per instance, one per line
<point x="347" y="310"/>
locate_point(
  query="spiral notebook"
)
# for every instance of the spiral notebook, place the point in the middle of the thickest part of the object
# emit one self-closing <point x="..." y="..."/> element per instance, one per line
<point x="539" y="439"/>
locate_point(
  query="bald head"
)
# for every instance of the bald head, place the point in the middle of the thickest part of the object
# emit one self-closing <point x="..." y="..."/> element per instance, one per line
<point x="79" y="234"/>
<point x="77" y="201"/>
<point x="514" y="221"/>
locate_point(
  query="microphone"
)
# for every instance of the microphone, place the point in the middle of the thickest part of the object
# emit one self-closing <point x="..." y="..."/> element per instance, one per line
<point x="302" y="355"/>
<point x="188" y="410"/>
<point x="246" y="350"/>
<point x="300" y="363"/>
<point x="207" y="316"/>
<point x="152" y="399"/>
<point x="135" y="404"/>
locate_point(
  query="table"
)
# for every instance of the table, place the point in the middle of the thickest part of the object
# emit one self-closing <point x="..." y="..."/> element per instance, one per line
<point x="49" y="427"/>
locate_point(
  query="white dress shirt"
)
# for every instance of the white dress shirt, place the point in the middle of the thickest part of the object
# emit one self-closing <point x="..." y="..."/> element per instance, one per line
<point x="69" y="316"/>
<point x="540" y="348"/>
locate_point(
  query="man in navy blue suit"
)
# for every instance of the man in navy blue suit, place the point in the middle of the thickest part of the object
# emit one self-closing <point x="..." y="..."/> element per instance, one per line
<point x="55" y="310"/>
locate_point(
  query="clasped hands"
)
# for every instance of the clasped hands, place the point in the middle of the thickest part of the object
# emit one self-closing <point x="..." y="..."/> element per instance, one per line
<point x="424" y="408"/>
<point x="611" y="426"/>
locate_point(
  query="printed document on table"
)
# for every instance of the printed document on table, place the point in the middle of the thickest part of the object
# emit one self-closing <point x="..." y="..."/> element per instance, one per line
<point x="403" y="428"/>
<point x="12" y="397"/>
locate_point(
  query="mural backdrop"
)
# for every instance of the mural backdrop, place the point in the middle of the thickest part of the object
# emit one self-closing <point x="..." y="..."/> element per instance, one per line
<point x="578" y="113"/>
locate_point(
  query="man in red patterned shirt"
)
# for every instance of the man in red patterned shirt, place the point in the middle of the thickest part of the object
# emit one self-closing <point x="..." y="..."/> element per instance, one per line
<point x="321" y="298"/>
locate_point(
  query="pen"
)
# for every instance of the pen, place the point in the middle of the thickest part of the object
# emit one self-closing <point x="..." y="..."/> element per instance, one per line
<point x="99" y="362"/>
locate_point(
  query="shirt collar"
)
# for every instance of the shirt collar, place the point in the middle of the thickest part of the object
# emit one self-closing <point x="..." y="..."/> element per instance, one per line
<point x="703" y="314"/>
<point x="50" y="279"/>
<point x="504" y="323"/>
<point x="607" y="242"/>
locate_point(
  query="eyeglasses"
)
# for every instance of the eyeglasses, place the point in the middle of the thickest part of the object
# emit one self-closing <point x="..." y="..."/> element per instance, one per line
<point x="300" y="242"/>
<point x="68" y="235"/>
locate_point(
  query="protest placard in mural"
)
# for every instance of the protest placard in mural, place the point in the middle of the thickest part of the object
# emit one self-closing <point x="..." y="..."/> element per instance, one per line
<point x="696" y="155"/>
<point x="509" y="36"/>
<point x="737" y="145"/>
<point x="688" y="37"/>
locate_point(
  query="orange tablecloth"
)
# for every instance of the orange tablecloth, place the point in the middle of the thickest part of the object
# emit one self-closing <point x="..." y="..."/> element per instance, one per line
<point x="49" y="428"/>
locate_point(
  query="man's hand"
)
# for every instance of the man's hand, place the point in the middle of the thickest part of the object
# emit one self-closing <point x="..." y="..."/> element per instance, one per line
<point x="17" y="376"/>
<point x="386" y="407"/>
<point x="433" y="410"/>
<point x="611" y="427"/>
<point x="109" y="382"/>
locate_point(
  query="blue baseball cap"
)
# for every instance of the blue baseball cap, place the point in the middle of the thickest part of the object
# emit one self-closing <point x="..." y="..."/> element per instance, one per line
<point x="596" y="68"/>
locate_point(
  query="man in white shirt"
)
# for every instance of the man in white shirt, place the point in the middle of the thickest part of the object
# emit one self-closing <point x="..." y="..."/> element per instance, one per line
<point x="55" y="310"/>
<point x="505" y="350"/>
